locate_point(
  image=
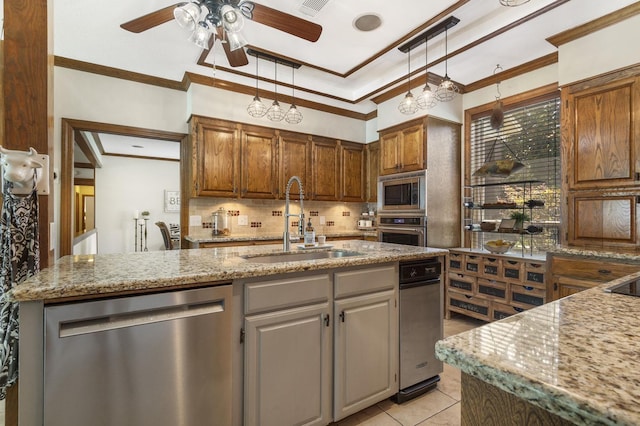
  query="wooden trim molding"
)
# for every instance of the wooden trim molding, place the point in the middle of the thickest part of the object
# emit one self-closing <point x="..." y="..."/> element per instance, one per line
<point x="595" y="25"/>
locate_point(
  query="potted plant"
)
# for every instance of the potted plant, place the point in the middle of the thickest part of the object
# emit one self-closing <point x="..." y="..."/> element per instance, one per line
<point x="520" y="218"/>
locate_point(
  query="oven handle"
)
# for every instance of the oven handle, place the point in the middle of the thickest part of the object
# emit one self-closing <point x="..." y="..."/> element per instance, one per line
<point x="391" y="229"/>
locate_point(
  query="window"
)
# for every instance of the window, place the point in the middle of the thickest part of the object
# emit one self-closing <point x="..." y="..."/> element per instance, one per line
<point x="530" y="135"/>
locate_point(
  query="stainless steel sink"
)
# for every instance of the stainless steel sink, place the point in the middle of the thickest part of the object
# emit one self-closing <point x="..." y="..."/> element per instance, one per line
<point x="300" y="256"/>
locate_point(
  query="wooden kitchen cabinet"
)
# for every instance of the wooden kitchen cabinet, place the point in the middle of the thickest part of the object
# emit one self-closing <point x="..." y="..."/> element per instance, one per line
<point x="373" y="170"/>
<point x="569" y="274"/>
<point x="325" y="169"/>
<point x="259" y="171"/>
<point x="294" y="160"/>
<point x="402" y="149"/>
<point x="215" y="157"/>
<point x="352" y="169"/>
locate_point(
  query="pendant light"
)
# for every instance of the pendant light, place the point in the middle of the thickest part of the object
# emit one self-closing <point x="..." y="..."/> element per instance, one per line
<point x="447" y="90"/>
<point x="275" y="112"/>
<point x="256" y="108"/>
<point x="408" y="104"/>
<point x="426" y="99"/>
<point x="293" y="116"/>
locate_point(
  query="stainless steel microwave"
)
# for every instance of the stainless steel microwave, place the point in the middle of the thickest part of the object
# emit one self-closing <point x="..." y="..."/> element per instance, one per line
<point x="403" y="192"/>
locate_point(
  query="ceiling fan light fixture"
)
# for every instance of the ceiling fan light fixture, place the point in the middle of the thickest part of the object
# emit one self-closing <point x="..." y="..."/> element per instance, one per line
<point x="187" y="15"/>
<point x="513" y="3"/>
<point x="231" y="18"/>
<point x="236" y="40"/>
<point x="201" y="35"/>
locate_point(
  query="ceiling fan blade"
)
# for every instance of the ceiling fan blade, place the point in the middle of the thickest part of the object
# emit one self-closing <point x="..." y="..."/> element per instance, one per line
<point x="236" y="58"/>
<point x="287" y="23"/>
<point x="150" y="20"/>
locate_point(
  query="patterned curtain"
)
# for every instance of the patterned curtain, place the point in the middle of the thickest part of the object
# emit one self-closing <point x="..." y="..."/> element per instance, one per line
<point x="20" y="250"/>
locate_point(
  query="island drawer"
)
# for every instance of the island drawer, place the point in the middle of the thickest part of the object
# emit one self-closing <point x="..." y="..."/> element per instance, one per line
<point x="369" y="280"/>
<point x="592" y="270"/>
<point x="526" y="296"/>
<point x="512" y="270"/>
<point x="262" y="296"/>
<point x="491" y="267"/>
<point x="462" y="283"/>
<point x="468" y="305"/>
<point x="456" y="262"/>
<point x="502" y="310"/>
<point x="472" y="264"/>
<point x="492" y="289"/>
<point x="534" y="273"/>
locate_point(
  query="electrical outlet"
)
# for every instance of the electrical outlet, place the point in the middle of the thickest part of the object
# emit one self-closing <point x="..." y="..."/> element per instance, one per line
<point x="243" y="220"/>
<point x="322" y="220"/>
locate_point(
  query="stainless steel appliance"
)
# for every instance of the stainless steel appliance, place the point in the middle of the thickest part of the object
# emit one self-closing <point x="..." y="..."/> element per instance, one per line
<point x="403" y="228"/>
<point x="403" y="192"/>
<point x="420" y="327"/>
<point x="158" y="359"/>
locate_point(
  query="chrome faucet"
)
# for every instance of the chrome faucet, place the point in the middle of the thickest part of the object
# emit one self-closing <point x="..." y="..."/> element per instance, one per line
<point x="286" y="242"/>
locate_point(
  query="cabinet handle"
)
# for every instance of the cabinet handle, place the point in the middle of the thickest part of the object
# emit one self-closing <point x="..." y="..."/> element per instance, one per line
<point x="342" y="316"/>
<point x="604" y="271"/>
<point x="326" y="320"/>
<point x="637" y="176"/>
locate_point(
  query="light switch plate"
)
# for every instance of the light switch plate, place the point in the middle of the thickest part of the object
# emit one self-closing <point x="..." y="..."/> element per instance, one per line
<point x="322" y="220"/>
<point x="243" y="220"/>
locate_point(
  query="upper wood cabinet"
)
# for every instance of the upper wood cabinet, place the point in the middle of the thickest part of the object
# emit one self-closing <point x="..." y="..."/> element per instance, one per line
<point x="402" y="148"/>
<point x="259" y="169"/>
<point x="352" y="161"/>
<point x="325" y="169"/>
<point x="601" y="135"/>
<point x="373" y="171"/>
<point x="215" y="157"/>
<point x="294" y="160"/>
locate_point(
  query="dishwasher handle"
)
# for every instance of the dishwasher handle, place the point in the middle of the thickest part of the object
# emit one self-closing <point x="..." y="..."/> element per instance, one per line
<point x="419" y="283"/>
<point x="132" y="319"/>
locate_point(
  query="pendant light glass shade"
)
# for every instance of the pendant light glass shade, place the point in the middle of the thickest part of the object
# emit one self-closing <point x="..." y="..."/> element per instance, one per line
<point x="231" y="18"/>
<point x="256" y="108"/>
<point x="447" y="90"/>
<point x="201" y="35"/>
<point x="512" y="3"/>
<point x="426" y="99"/>
<point x="408" y="104"/>
<point x="275" y="111"/>
<point x="293" y="116"/>
<point x="187" y="15"/>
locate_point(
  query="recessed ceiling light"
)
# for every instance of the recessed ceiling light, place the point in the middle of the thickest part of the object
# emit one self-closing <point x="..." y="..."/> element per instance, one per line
<point x="367" y="22"/>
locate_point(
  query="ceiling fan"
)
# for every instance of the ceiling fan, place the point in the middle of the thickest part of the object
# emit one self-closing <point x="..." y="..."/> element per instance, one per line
<point x="224" y="19"/>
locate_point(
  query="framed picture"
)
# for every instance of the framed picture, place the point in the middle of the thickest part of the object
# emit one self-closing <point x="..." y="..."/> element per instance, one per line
<point x="171" y="201"/>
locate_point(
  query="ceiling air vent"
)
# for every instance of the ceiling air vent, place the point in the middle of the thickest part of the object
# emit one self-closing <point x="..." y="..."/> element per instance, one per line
<point x="312" y="7"/>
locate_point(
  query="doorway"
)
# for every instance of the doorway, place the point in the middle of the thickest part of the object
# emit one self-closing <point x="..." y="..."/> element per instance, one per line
<point x="72" y="133"/>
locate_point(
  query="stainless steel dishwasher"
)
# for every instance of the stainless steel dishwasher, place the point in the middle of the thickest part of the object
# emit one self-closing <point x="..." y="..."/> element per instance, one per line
<point x="157" y="359"/>
<point x="420" y="327"/>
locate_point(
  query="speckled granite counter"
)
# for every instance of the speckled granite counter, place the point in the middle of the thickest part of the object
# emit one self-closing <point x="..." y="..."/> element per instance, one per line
<point x="204" y="236"/>
<point x="597" y="254"/>
<point x="576" y="357"/>
<point x="88" y="275"/>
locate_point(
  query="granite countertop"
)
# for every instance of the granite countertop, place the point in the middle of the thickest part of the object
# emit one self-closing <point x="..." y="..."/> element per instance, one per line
<point x="515" y="253"/>
<point x="93" y="275"/>
<point x="204" y="236"/>
<point x="596" y="254"/>
<point x="576" y="357"/>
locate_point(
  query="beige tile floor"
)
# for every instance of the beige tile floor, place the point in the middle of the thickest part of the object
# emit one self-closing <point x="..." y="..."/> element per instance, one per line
<point x="440" y="406"/>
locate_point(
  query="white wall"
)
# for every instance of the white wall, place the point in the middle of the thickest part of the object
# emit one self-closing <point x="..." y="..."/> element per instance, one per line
<point x="211" y="102"/>
<point x="125" y="184"/>
<point x="609" y="49"/>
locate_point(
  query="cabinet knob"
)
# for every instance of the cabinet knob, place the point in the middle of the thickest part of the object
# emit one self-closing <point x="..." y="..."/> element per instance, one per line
<point x="342" y="316"/>
<point x="604" y="271"/>
<point x="326" y="320"/>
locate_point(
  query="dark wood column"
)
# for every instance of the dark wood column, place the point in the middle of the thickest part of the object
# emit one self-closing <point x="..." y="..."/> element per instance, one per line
<point x="26" y="112"/>
<point x="28" y="92"/>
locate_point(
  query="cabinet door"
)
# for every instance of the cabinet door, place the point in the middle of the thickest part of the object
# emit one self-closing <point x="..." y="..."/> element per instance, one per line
<point x="288" y="367"/>
<point x="602" y="134"/>
<point x="412" y="149"/>
<point x="352" y="167"/>
<point x="218" y="153"/>
<point x="259" y="163"/>
<point x="389" y="153"/>
<point x="325" y="169"/>
<point x="294" y="160"/>
<point x="602" y="219"/>
<point x="373" y="171"/>
<point x="365" y="351"/>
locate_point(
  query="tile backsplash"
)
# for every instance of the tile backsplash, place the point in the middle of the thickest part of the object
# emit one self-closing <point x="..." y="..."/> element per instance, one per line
<point x="266" y="217"/>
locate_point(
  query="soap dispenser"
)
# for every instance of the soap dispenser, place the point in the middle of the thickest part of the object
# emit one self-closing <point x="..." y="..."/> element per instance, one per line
<point x="309" y="235"/>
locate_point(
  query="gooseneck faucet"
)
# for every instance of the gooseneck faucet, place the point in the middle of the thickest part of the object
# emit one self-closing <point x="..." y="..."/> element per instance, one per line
<point x="286" y="242"/>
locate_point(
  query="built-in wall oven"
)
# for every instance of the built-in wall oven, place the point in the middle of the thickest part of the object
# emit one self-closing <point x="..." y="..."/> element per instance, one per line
<point x="403" y="228"/>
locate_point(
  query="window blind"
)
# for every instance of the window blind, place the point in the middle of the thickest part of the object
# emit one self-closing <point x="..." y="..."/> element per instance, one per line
<point x="530" y="135"/>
